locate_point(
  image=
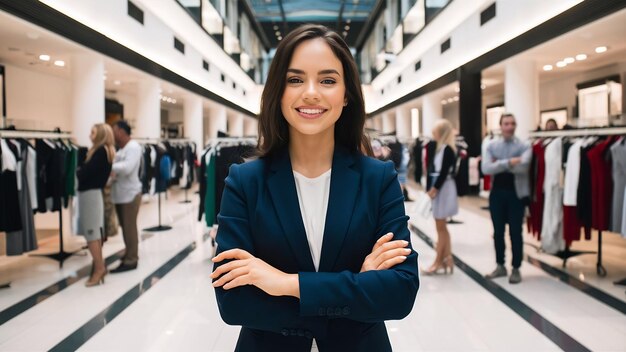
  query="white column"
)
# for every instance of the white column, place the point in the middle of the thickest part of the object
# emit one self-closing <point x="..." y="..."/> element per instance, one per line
<point x="87" y="102"/>
<point x="403" y="123"/>
<point x="415" y="123"/>
<point x="521" y="95"/>
<point x="251" y="127"/>
<point x="148" y="123"/>
<point x="235" y="125"/>
<point x="193" y="122"/>
<point x="389" y="122"/>
<point x="378" y="123"/>
<point x="431" y="112"/>
<point x="218" y="121"/>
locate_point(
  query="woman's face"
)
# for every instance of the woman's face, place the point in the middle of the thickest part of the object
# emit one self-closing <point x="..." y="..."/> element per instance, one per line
<point x="92" y="135"/>
<point x="314" y="94"/>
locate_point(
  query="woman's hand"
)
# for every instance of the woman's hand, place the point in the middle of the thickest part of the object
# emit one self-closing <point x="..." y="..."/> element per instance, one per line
<point x="246" y="269"/>
<point x="386" y="254"/>
<point x="432" y="193"/>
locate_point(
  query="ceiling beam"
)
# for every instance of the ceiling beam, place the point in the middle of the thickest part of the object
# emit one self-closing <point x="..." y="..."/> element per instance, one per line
<point x="340" y="17"/>
<point x="282" y="14"/>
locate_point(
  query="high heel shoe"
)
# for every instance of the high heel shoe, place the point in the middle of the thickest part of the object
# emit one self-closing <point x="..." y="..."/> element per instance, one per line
<point x="449" y="264"/>
<point x="95" y="281"/>
<point x="434" y="269"/>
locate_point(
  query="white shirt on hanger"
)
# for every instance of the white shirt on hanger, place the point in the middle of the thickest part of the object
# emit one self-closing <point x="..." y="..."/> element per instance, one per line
<point x="552" y="239"/>
<point x="313" y="196"/>
<point x="572" y="171"/>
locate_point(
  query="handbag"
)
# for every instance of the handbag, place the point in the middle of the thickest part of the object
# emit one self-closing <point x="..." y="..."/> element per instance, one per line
<point x="423" y="205"/>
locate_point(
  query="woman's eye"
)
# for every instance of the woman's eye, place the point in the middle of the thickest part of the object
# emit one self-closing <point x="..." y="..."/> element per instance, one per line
<point x="294" y="80"/>
<point x="328" y="81"/>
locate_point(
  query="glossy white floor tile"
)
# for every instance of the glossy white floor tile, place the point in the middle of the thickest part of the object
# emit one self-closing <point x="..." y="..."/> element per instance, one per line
<point x="179" y="312"/>
<point x="587" y="320"/>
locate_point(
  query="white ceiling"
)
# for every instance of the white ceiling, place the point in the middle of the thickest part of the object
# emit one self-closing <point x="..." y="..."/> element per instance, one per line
<point x="22" y="42"/>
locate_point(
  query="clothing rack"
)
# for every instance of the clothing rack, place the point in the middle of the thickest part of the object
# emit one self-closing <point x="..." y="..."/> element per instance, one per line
<point x="62" y="255"/>
<point x="582" y="132"/>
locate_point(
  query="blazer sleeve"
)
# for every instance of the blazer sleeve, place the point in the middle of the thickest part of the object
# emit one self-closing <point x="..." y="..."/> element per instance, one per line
<point x="526" y="157"/>
<point x="372" y="296"/>
<point x="449" y="159"/>
<point x="249" y="306"/>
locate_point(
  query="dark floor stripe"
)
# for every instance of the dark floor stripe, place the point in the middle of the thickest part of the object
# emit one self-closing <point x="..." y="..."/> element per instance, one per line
<point x="97" y="323"/>
<point x="549" y="330"/>
<point x="582" y="286"/>
<point x="36" y="298"/>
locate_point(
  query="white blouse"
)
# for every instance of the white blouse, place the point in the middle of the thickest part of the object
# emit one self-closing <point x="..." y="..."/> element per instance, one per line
<point x="313" y="196"/>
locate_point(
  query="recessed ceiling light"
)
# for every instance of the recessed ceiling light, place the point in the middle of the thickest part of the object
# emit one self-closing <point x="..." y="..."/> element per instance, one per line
<point x="44" y="57"/>
<point x="444" y="102"/>
<point x="33" y="35"/>
<point x="347" y="28"/>
<point x="345" y="33"/>
<point x="59" y="63"/>
<point x="547" y="67"/>
<point x="569" y="60"/>
<point x="277" y="33"/>
<point x="482" y="86"/>
<point x="117" y="83"/>
<point x="456" y="98"/>
<point x="348" y="20"/>
<point x="457" y="89"/>
<point x="104" y="77"/>
<point x="173" y="101"/>
<point x="450" y="100"/>
<point x="561" y="64"/>
<point x="601" y="49"/>
<point x="275" y="27"/>
<point x="581" y="57"/>
<point x="280" y="38"/>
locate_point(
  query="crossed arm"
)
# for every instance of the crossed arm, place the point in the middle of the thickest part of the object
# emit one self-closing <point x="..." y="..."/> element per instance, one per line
<point x="283" y="299"/>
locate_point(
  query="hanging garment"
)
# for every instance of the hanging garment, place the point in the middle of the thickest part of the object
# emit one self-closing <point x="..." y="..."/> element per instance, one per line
<point x="623" y="232"/>
<point x="537" y="174"/>
<point x="210" y="208"/>
<point x="618" y="156"/>
<point x="601" y="185"/>
<point x="552" y="226"/>
<point x="70" y="173"/>
<point x="164" y="174"/>
<point x="417" y="160"/>
<point x="10" y="217"/>
<point x="224" y="159"/>
<point x="583" y="198"/>
<point x="24" y="240"/>
<point x="571" y="222"/>
<point x="202" y="183"/>
<point x="31" y="173"/>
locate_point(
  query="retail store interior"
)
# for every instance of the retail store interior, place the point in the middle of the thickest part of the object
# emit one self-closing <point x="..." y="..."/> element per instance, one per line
<point x="188" y="77"/>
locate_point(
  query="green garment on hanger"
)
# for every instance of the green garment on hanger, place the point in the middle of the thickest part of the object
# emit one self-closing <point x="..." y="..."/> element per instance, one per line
<point x="209" y="197"/>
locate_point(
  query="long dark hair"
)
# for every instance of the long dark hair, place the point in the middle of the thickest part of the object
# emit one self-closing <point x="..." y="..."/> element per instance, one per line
<point x="273" y="127"/>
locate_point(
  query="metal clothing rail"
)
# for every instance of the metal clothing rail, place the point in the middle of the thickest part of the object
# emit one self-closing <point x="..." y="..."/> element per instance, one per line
<point x="581" y="132"/>
<point x="62" y="255"/>
<point x="28" y="134"/>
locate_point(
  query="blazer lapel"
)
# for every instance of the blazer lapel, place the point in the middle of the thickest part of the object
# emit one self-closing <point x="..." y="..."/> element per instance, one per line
<point x="344" y="188"/>
<point x="282" y="187"/>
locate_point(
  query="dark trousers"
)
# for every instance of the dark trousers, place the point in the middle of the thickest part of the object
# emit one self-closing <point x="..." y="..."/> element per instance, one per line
<point x="506" y="208"/>
<point x="127" y="217"/>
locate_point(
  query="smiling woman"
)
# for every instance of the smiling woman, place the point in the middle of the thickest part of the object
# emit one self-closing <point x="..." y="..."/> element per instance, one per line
<point x="313" y="245"/>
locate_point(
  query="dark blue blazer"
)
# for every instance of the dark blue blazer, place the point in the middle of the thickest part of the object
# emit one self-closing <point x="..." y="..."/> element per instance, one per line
<point x="344" y="310"/>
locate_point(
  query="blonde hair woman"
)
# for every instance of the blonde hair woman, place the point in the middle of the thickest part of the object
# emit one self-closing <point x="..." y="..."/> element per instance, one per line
<point x="92" y="177"/>
<point x="443" y="193"/>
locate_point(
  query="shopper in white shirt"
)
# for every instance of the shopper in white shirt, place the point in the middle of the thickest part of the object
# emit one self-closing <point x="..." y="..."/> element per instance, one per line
<point x="126" y="192"/>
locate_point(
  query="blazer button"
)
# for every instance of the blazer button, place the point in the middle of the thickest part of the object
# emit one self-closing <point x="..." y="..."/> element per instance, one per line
<point x="346" y="310"/>
<point x="285" y="332"/>
<point x="330" y="312"/>
<point x="321" y="312"/>
<point x="337" y="311"/>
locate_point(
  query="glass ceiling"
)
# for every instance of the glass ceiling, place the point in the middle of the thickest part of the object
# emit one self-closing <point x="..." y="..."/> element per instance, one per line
<point x="311" y="10"/>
